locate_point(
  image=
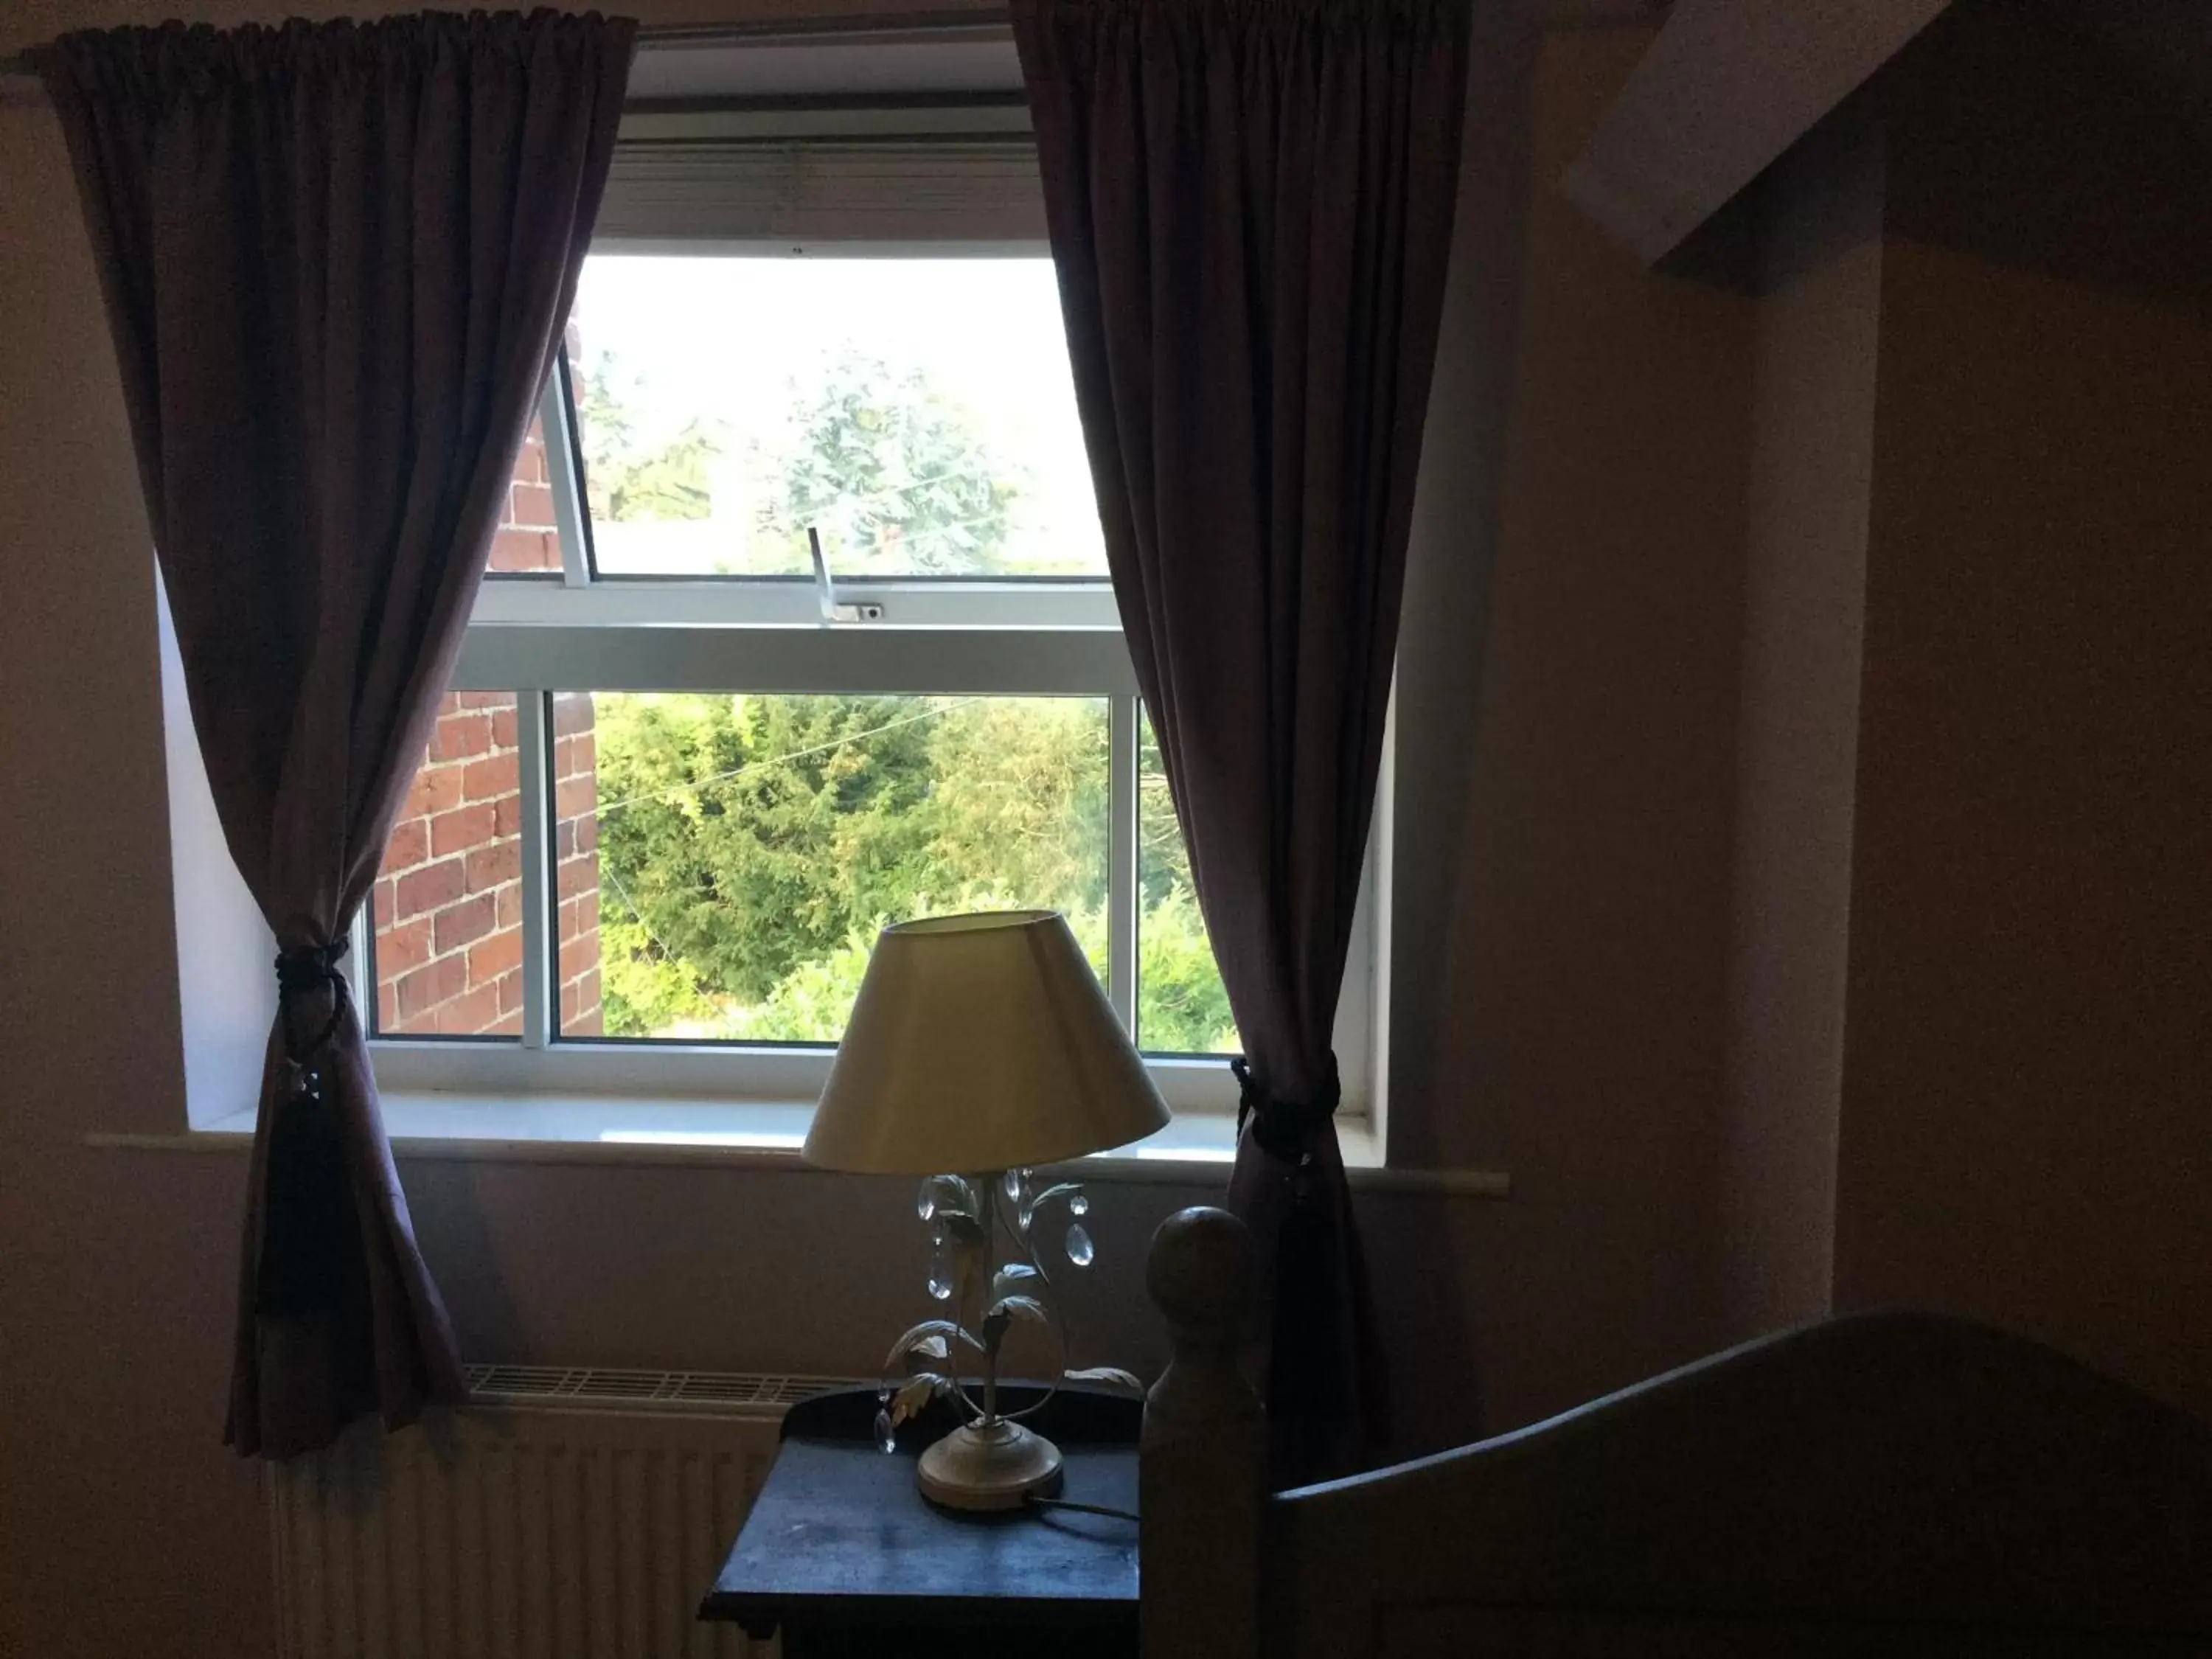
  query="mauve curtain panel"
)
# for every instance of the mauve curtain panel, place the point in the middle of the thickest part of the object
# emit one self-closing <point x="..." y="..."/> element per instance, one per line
<point x="336" y="261"/>
<point x="1250" y="205"/>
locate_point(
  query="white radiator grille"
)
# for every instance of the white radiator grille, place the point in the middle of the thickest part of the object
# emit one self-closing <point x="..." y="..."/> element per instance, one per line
<point x="552" y="1385"/>
<point x="568" y="1512"/>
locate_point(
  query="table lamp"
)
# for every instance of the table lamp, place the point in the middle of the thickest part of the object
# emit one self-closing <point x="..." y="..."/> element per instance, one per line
<point x="981" y="1046"/>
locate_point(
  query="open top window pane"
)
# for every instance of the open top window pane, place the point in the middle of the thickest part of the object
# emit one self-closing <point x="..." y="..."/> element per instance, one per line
<point x="725" y="861"/>
<point x="918" y="415"/>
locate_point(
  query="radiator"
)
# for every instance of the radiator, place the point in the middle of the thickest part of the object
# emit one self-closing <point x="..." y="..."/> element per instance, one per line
<point x="567" y="1512"/>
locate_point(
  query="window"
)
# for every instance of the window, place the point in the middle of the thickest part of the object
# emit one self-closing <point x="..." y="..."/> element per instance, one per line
<point x="797" y="624"/>
<point x="750" y="846"/>
<point x="916" y="415"/>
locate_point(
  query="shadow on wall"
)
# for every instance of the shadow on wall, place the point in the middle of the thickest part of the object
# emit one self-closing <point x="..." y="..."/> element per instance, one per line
<point x="1567" y="706"/>
<point x="1446" y="617"/>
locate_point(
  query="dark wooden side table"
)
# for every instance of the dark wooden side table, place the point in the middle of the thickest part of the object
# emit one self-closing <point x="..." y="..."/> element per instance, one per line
<point x="843" y="1554"/>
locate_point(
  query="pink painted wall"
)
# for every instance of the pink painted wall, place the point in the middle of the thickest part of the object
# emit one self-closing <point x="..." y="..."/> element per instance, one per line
<point x="1564" y="757"/>
<point x="2027" y="1128"/>
<point x="1967" y="1063"/>
<point x="2027" y="1096"/>
<point x="124" y="1523"/>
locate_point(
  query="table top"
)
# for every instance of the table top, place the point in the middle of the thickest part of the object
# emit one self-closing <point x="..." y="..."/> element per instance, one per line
<point x="841" y="1521"/>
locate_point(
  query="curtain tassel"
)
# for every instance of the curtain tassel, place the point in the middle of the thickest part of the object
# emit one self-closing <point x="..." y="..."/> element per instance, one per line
<point x="310" y="1246"/>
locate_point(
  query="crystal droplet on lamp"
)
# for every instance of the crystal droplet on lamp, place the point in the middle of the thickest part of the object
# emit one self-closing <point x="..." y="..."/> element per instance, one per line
<point x="1078" y="1204"/>
<point x="1079" y="1246"/>
<point x="886" y="1436"/>
<point x="925" y="1201"/>
<point x="940" y="1265"/>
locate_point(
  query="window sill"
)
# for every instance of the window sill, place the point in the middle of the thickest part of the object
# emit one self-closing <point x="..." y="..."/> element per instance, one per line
<point x="571" y="1129"/>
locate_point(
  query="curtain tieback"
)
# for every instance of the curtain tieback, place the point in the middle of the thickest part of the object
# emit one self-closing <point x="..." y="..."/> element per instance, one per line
<point x="1284" y="1128"/>
<point x="308" y="1248"/>
<point x="301" y="973"/>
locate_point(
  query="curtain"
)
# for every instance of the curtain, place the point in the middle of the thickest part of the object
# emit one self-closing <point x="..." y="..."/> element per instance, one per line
<point x="1250" y="203"/>
<point x="337" y="260"/>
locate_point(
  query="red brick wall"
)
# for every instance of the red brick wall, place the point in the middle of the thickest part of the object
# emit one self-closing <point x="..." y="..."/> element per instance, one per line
<point x="448" y="900"/>
<point x="449" y="897"/>
<point x="576" y="854"/>
<point x="528" y="539"/>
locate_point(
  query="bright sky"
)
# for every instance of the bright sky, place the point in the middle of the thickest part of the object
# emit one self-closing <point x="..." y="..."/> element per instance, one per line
<point x="740" y="340"/>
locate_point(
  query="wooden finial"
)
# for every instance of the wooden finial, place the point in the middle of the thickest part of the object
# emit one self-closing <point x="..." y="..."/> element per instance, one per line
<point x="1203" y="1475"/>
<point x="1199" y="1274"/>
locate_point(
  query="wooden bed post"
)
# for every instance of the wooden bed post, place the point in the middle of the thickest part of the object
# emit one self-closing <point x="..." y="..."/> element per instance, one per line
<point x="1203" y="1468"/>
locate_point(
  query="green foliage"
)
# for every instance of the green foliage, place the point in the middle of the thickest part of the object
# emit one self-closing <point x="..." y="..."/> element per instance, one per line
<point x="808" y="1004"/>
<point x="644" y="991"/>
<point x="896" y="474"/>
<point x="1181" y="1007"/>
<point x="750" y="835"/>
<point x="755" y="842"/>
<point x="624" y="480"/>
<point x="1018" y="800"/>
<point x="751" y="849"/>
<point x="1163" y="859"/>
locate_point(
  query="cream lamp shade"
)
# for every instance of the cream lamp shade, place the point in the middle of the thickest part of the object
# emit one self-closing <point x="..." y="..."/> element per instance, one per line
<point x="980" y="1043"/>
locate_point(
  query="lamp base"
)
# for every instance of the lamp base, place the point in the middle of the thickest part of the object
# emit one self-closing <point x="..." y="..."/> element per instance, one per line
<point x="989" y="1466"/>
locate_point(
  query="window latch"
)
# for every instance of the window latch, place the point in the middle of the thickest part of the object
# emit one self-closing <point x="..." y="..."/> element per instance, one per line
<point x="825" y="591"/>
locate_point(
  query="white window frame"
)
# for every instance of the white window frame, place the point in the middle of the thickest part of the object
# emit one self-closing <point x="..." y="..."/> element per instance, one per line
<point x="532" y="636"/>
